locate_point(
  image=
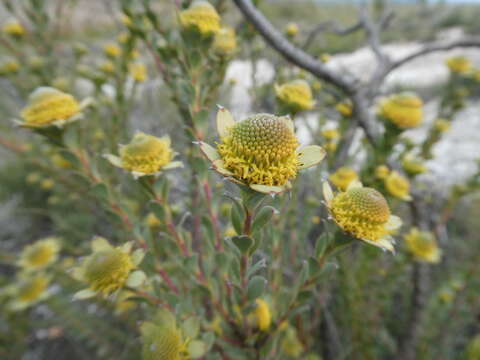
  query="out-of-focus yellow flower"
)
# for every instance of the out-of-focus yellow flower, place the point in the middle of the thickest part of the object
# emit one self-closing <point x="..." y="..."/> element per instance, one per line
<point x="291" y="29"/>
<point x="290" y="344"/>
<point x="112" y="50"/>
<point x="138" y="72"/>
<point x="28" y="290"/>
<point x="345" y="108"/>
<point x="33" y="178"/>
<point x="107" y="67"/>
<point x="123" y="304"/>
<point x="263" y="315"/>
<point x="36" y="62"/>
<point x="316" y="85"/>
<point x="145" y="155"/>
<point x="225" y="41"/>
<point x="403" y="110"/>
<point x="51" y="107"/>
<point x="325" y="58"/>
<point x="126" y="20"/>
<point x="441" y="125"/>
<point x="79" y="49"/>
<point x="13" y="28"/>
<point x="330" y="134"/>
<point x="423" y="246"/>
<point x="331" y="147"/>
<point x="202" y="17"/>
<point x="398" y="185"/>
<point x="476" y="75"/>
<point x="382" y="171"/>
<point x="47" y="184"/>
<point x="316" y="220"/>
<point x="40" y="254"/>
<point x="108" y="269"/>
<point x="413" y="166"/>
<point x="459" y="64"/>
<point x="134" y="54"/>
<point x="229" y="232"/>
<point x="59" y="161"/>
<point x="295" y="95"/>
<point x="123" y="37"/>
<point x="363" y="213"/>
<point x="473" y="348"/>
<point x="343" y="177"/>
<point x="61" y="83"/>
<point x="152" y="220"/>
<point x="446" y="295"/>
<point x="8" y="67"/>
<point x="260" y="152"/>
<point x="162" y="339"/>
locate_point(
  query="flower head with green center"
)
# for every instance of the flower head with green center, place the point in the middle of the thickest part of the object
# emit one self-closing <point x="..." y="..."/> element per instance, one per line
<point x="108" y="269"/>
<point x="345" y="108"/>
<point x="412" y="165"/>
<point x="295" y="95"/>
<point x="40" y="254"/>
<point x="48" y="106"/>
<point x="330" y="134"/>
<point x="13" y="28"/>
<point x="201" y="17"/>
<point x="291" y="29"/>
<point x="138" y="72"/>
<point x="404" y="110"/>
<point x="263" y="314"/>
<point x="398" y="186"/>
<point x="423" y="246"/>
<point x="363" y="213"/>
<point x="343" y="177"/>
<point x="145" y="155"/>
<point x="162" y="339"/>
<point x="459" y="64"/>
<point x="28" y="290"/>
<point x="260" y="152"/>
<point x="225" y="41"/>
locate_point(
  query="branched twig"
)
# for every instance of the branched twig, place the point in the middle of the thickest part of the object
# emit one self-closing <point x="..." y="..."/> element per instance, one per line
<point x="330" y="27"/>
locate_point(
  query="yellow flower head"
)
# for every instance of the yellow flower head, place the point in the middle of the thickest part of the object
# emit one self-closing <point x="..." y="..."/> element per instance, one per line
<point x="441" y="125"/>
<point x="403" y="110"/>
<point x="126" y="20"/>
<point x="28" y="291"/>
<point x="39" y="254"/>
<point x="423" y="246"/>
<point x="13" y="28"/>
<point x="263" y="315"/>
<point x="33" y="178"/>
<point x="345" y="108"/>
<point x="36" y="62"/>
<point x="229" y="232"/>
<point x="459" y="64"/>
<point x="47" y="184"/>
<point x="123" y="37"/>
<point x="473" y="348"/>
<point x="145" y="155"/>
<point x="330" y="134"/>
<point x="382" y="171"/>
<point x="291" y="29"/>
<point x="202" y="17"/>
<point x="9" y="67"/>
<point x="108" y="269"/>
<point x="225" y="41"/>
<point x="476" y="75"/>
<point x="259" y="152"/>
<point x="152" y="220"/>
<point x="363" y="213"/>
<point x="398" y="186"/>
<point x="138" y="72"/>
<point x="413" y="166"/>
<point x="162" y="339"/>
<point x="112" y="50"/>
<point x="51" y="107"/>
<point x="290" y="344"/>
<point x="343" y="177"/>
<point x="59" y="161"/>
<point x="325" y="58"/>
<point x="107" y="67"/>
<point x="295" y="95"/>
<point x="331" y="146"/>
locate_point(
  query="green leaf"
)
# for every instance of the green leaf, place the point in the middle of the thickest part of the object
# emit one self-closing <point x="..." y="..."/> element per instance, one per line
<point x="262" y="217"/>
<point x="243" y="243"/>
<point x="321" y="245"/>
<point x="158" y="210"/>
<point x="209" y="339"/>
<point x="100" y="191"/>
<point x="237" y="215"/>
<point x="197" y="349"/>
<point x="256" y="286"/>
<point x="262" y="263"/>
<point x="191" y="327"/>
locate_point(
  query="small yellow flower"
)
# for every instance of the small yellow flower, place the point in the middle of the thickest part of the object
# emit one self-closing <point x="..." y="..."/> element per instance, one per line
<point x="145" y="155"/>
<point x="330" y="134"/>
<point x="134" y="54"/>
<point x="51" y="107"/>
<point x="39" y="254"/>
<point x="316" y="220"/>
<point x="363" y="213"/>
<point x="123" y="37"/>
<point x="126" y="20"/>
<point x="325" y="58"/>
<point x="107" y="67"/>
<point x="473" y="348"/>
<point x="61" y="83"/>
<point x="382" y="171"/>
<point x="398" y="186"/>
<point x="162" y="339"/>
<point x="33" y="178"/>
<point x="459" y="64"/>
<point x="316" y="85"/>
<point x="202" y="17"/>
<point x="263" y="315"/>
<point x="28" y="290"/>
<point x="9" y="67"/>
<point x="441" y="125"/>
<point x="295" y="95"/>
<point x="138" y="72"/>
<point x="229" y="232"/>
<point x="47" y="184"/>
<point x="13" y="28"/>
<point x="476" y="75"/>
<point x="108" y="269"/>
<point x="291" y="29"/>
<point x="331" y="147"/>
<point x="59" y="161"/>
<point x="260" y="152"/>
<point x="412" y="165"/>
<point x="344" y="108"/>
<point x="290" y="344"/>
<point x="112" y="50"/>
<point x="225" y="41"/>
<point x="36" y="62"/>
<point x="403" y="110"/>
<point x="446" y="295"/>
<point x="423" y="246"/>
<point x="152" y="220"/>
<point x="343" y="177"/>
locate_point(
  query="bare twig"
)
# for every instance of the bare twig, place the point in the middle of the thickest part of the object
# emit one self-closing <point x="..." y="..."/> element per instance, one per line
<point x="330" y="27"/>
